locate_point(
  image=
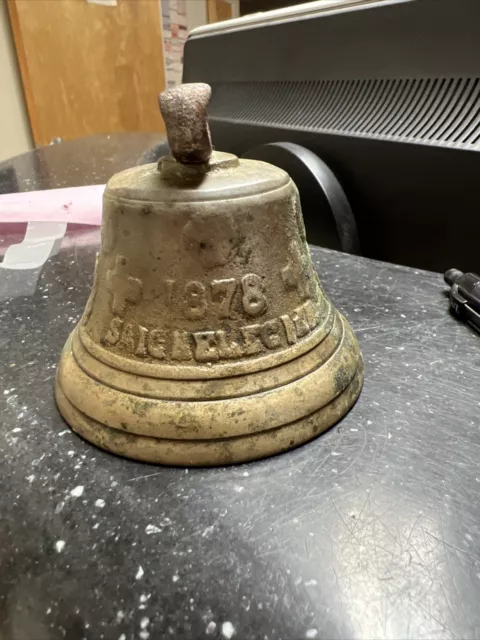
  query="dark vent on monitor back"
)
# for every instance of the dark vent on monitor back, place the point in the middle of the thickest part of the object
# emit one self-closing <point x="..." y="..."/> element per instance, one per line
<point x="432" y="110"/>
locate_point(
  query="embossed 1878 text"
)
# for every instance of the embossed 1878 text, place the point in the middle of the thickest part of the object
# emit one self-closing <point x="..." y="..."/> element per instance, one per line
<point x="196" y="298"/>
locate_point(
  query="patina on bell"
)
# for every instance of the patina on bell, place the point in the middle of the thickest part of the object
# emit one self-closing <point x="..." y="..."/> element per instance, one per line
<point x="207" y="338"/>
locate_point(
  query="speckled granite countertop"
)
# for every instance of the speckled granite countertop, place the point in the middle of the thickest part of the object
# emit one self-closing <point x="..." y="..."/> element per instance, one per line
<point x="370" y="531"/>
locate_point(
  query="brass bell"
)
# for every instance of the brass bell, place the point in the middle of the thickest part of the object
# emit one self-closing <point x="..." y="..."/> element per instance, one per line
<point x="207" y="338"/>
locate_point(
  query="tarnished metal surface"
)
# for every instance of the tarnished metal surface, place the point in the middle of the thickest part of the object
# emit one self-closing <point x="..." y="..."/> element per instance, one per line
<point x="207" y="338"/>
<point x="184" y="109"/>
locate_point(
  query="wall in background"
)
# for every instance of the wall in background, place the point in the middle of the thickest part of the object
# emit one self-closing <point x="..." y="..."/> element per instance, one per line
<point x="196" y="13"/>
<point x="89" y="68"/>
<point x="220" y="10"/>
<point x="15" y="136"/>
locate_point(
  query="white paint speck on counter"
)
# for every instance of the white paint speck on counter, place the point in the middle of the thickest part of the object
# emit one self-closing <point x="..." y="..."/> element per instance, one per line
<point x="238" y="488"/>
<point x="60" y="546"/>
<point x="151" y="528"/>
<point x="175" y="578"/>
<point x="144" y="635"/>
<point x="311" y="633"/>
<point x="144" y="622"/>
<point x="78" y="491"/>
<point x="120" y="617"/>
<point x="211" y="626"/>
<point x="122" y="637"/>
<point x="140" y="573"/>
<point x="31" y="478"/>
<point x="228" y="630"/>
<point x="99" y="503"/>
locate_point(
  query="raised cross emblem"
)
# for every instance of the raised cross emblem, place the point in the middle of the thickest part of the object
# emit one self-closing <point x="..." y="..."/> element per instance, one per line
<point x="293" y="273"/>
<point x="123" y="287"/>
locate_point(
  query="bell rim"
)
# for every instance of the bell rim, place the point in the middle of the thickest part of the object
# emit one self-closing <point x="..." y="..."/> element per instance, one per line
<point x="211" y="418"/>
<point x="212" y="452"/>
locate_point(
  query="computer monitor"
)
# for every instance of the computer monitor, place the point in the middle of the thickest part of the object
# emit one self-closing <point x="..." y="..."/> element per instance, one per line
<point x="387" y="94"/>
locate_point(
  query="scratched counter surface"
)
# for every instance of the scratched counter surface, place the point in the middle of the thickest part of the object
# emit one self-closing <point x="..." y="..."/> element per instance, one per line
<point x="370" y="531"/>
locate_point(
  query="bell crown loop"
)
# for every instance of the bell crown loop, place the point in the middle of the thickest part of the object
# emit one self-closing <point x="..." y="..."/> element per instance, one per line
<point x="184" y="110"/>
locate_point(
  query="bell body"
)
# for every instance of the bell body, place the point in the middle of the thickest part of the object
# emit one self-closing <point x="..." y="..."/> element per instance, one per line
<point x="207" y="338"/>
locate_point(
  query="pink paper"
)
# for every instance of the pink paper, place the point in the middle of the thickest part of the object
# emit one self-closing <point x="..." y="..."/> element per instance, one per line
<point x="76" y="205"/>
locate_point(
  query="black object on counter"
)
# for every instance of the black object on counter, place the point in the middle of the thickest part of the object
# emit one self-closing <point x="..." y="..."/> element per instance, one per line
<point x="400" y="131"/>
<point x="465" y="296"/>
<point x="326" y="211"/>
